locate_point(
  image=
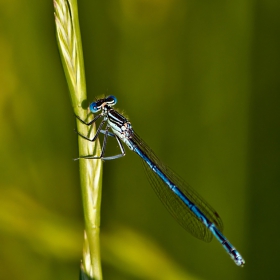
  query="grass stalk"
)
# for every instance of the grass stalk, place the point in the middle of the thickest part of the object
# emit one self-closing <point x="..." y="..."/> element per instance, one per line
<point x="70" y="47"/>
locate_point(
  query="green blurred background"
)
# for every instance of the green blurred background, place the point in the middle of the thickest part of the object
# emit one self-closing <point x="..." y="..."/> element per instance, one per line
<point x="199" y="82"/>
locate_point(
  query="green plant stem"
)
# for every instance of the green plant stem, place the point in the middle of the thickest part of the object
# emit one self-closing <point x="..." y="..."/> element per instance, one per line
<point x="70" y="47"/>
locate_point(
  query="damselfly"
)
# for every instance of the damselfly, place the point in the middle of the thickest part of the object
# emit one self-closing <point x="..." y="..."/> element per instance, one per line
<point x="187" y="207"/>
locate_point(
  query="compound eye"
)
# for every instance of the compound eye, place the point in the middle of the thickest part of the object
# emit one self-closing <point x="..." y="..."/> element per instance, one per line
<point x="94" y="108"/>
<point x="111" y="100"/>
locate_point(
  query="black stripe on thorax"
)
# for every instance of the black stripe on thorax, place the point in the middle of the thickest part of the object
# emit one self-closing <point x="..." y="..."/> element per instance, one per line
<point x="116" y="117"/>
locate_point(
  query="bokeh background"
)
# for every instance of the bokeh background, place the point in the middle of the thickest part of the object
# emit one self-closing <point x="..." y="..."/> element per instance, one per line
<point x="200" y="83"/>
